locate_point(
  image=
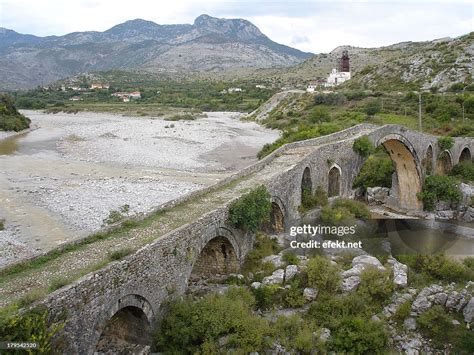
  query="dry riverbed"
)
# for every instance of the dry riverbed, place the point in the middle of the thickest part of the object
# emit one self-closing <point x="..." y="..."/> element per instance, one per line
<point x="60" y="181"/>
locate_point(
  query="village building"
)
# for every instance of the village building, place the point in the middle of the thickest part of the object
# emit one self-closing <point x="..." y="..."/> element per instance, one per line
<point x="99" y="86"/>
<point x="342" y="74"/>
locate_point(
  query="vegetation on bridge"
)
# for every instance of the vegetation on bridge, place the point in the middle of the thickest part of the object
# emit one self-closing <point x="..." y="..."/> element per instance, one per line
<point x="376" y="171"/>
<point x="439" y="188"/>
<point x="251" y="209"/>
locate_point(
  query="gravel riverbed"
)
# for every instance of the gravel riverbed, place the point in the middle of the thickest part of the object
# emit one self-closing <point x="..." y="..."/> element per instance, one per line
<point x="60" y="180"/>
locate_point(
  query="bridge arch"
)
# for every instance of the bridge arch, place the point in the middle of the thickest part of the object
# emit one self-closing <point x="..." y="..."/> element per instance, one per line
<point x="445" y="163"/>
<point x="219" y="256"/>
<point x="407" y="168"/>
<point x="465" y="156"/>
<point x="306" y="183"/>
<point x="334" y="180"/>
<point x="278" y="217"/>
<point x="427" y="161"/>
<point x="128" y="324"/>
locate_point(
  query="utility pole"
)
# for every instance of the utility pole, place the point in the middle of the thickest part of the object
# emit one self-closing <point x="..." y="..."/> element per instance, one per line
<point x="419" y="111"/>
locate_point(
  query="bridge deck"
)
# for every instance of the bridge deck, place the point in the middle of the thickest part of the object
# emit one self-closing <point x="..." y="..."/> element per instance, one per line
<point x="73" y="264"/>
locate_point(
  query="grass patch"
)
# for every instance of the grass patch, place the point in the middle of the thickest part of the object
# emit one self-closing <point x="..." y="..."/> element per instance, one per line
<point x="119" y="254"/>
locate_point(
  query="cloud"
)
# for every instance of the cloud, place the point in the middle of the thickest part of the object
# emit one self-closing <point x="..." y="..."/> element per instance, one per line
<point x="309" y="25"/>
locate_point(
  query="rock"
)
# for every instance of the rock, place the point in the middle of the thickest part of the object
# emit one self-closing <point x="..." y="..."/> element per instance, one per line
<point x="396" y="301"/>
<point x="367" y="260"/>
<point x="443" y="206"/>
<point x="426" y="298"/>
<point x="456" y="301"/>
<point x="421" y="304"/>
<point x="223" y="341"/>
<point x="412" y="347"/>
<point x="276" y="278"/>
<point x="350" y="284"/>
<point x="400" y="272"/>
<point x="310" y="294"/>
<point x="468" y="312"/>
<point x="354" y="271"/>
<point x="455" y="322"/>
<point x="324" y="335"/>
<point x="237" y="276"/>
<point x="290" y="272"/>
<point x="377" y="195"/>
<point x="445" y="214"/>
<point x="409" y="323"/>
<point x="468" y="216"/>
<point x="375" y="318"/>
<point x="440" y="298"/>
<point x="256" y="285"/>
<point x="467" y="192"/>
<point x="274" y="259"/>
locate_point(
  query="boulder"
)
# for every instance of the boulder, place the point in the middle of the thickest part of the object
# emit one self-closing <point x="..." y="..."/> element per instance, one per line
<point x="467" y="192"/>
<point x="468" y="216"/>
<point x="274" y="279"/>
<point x="445" y="214"/>
<point x="468" y="312"/>
<point x="256" y="285"/>
<point x="367" y="260"/>
<point x="456" y="301"/>
<point x="324" y="335"/>
<point x="276" y="260"/>
<point x="290" y="272"/>
<point x="400" y="272"/>
<point x="409" y="323"/>
<point x="310" y="294"/>
<point x="426" y="298"/>
<point x="350" y="284"/>
<point x="377" y="195"/>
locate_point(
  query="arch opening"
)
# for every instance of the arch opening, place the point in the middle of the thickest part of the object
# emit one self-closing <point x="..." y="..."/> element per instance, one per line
<point x="445" y="163"/>
<point x="277" y="220"/>
<point x="127" y="331"/>
<point x="465" y="156"/>
<point x="334" y="182"/>
<point x="216" y="259"/>
<point x="428" y="161"/>
<point x="408" y="181"/>
<point x="306" y="186"/>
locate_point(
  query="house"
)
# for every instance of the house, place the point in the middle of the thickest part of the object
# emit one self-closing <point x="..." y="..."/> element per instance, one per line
<point x="231" y="90"/>
<point x="259" y="86"/>
<point x="75" y="98"/>
<point x="127" y="96"/>
<point x="99" y="86"/>
<point x="337" y="77"/>
<point x="312" y="86"/>
<point x="135" y="95"/>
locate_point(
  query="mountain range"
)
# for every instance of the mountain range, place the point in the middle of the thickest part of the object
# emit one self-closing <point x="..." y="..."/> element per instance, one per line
<point x="208" y="45"/>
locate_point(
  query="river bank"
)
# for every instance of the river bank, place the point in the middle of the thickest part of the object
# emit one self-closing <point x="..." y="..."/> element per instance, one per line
<point x="60" y="181"/>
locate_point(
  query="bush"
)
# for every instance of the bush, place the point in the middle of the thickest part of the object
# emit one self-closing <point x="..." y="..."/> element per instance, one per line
<point x="445" y="143"/>
<point x="439" y="188"/>
<point x="318" y="115"/>
<point x="336" y="216"/>
<point x="322" y="275"/>
<point x="376" y="171"/>
<point x="290" y="258"/>
<point x="294" y="295"/>
<point x="194" y="326"/>
<point x="32" y="326"/>
<point x="251" y="210"/>
<point x="310" y="201"/>
<point x="402" y="312"/>
<point x="463" y="171"/>
<point x="376" y="284"/>
<point x="119" y="254"/>
<point x="10" y="118"/>
<point x="372" y="107"/>
<point x="438" y="267"/>
<point x="436" y="325"/>
<point x="357" y="335"/>
<point x="294" y="333"/>
<point x="356" y="208"/>
<point x="268" y="296"/>
<point x="320" y="196"/>
<point x="363" y="146"/>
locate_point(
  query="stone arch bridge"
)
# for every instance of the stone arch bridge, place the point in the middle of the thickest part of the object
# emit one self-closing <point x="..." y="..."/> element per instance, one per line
<point x="122" y="301"/>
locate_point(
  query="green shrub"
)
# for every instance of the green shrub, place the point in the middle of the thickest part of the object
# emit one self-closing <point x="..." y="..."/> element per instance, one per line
<point x="376" y="284"/>
<point x="363" y="146"/>
<point x="119" y="254"/>
<point x="357" y="335"/>
<point x="264" y="246"/>
<point x="402" y="312"/>
<point x="445" y="143"/>
<point x="334" y="216"/>
<point x="2" y="225"/>
<point x="294" y="295"/>
<point x="372" y="107"/>
<point x="319" y="114"/>
<point x="268" y="296"/>
<point x="376" y="171"/>
<point x="58" y="283"/>
<point x="323" y="275"/>
<point x="251" y="210"/>
<point x="32" y="326"/>
<point x="463" y="171"/>
<point x="194" y="326"/>
<point x="10" y="118"/>
<point x="469" y="262"/>
<point x="438" y="267"/>
<point x="356" y="208"/>
<point x="290" y="258"/>
<point x="437" y="325"/>
<point x="294" y="333"/>
<point x="320" y="196"/>
<point x="439" y="188"/>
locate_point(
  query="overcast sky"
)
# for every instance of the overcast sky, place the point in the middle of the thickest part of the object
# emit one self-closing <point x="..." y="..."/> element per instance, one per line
<point x="310" y="25"/>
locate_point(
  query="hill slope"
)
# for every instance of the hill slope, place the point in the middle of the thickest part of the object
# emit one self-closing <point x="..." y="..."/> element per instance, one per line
<point x="210" y="44"/>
